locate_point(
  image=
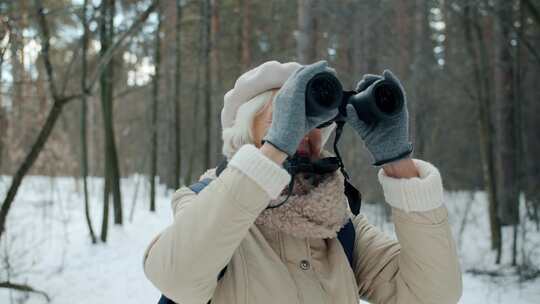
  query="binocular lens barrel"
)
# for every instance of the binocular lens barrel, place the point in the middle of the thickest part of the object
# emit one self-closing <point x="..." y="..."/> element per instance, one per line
<point x="382" y="99"/>
<point x="388" y="97"/>
<point x="323" y="93"/>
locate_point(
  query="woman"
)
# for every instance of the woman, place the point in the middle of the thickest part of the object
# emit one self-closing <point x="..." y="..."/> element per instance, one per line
<point x="290" y="254"/>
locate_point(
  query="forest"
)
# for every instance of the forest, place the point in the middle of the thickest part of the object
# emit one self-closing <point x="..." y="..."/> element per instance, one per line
<point x="108" y="106"/>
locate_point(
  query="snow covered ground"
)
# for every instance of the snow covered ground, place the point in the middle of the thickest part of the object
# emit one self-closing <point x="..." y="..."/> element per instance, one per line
<point x="47" y="246"/>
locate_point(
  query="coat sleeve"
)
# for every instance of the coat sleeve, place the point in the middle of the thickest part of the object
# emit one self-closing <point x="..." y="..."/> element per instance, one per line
<point x="422" y="265"/>
<point x="184" y="260"/>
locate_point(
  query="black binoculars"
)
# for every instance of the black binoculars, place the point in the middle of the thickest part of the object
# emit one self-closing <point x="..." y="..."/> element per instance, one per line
<point x="379" y="101"/>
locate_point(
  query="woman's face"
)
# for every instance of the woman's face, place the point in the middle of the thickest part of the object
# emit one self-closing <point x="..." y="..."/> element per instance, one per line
<point x="310" y="145"/>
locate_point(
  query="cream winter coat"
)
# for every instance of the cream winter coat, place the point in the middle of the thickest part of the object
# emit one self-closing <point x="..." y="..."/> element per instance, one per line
<point x="216" y="228"/>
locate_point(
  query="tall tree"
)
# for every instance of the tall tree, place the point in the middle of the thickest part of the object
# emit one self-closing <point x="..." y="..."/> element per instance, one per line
<point x="506" y="127"/>
<point x="177" y="96"/>
<point x="507" y="135"/>
<point x="217" y="81"/>
<point x="112" y="172"/>
<point x="206" y="7"/>
<point x="246" y="30"/>
<point x="155" y="104"/>
<point x="475" y="42"/>
<point x="4" y="31"/>
<point x="306" y="48"/>
<point x="422" y="64"/>
<point x="84" y="141"/>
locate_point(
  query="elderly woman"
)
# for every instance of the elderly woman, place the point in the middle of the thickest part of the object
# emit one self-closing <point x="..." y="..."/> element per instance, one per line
<point x="275" y="252"/>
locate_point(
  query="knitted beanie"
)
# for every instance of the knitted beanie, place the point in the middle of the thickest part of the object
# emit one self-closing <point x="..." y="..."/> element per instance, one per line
<point x="267" y="76"/>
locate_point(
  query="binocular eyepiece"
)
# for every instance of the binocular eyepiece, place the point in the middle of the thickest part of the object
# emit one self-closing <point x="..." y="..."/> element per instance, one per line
<point x="379" y="101"/>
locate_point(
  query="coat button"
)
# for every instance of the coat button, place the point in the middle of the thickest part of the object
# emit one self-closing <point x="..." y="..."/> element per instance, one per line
<point x="304" y="264"/>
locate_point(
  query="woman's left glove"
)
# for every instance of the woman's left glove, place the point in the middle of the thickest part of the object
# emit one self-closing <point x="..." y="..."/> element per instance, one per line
<point x="388" y="139"/>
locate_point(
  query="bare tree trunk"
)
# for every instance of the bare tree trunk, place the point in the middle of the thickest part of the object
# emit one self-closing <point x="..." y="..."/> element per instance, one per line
<point x="205" y="11"/>
<point x="307" y="32"/>
<point x="155" y="101"/>
<point x="196" y="103"/>
<point x="177" y="97"/>
<point x="218" y="79"/>
<point x="532" y="9"/>
<point x="84" y="141"/>
<point x="481" y="69"/>
<point x="423" y="60"/>
<point x="523" y="182"/>
<point x="105" y="87"/>
<point x="506" y="135"/>
<point x="3" y="119"/>
<point x="112" y="172"/>
<point x="246" y="33"/>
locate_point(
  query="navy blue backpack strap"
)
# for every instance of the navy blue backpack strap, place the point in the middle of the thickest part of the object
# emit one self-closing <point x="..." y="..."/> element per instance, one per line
<point x="346" y="237"/>
<point x="200" y="185"/>
<point x="165" y="300"/>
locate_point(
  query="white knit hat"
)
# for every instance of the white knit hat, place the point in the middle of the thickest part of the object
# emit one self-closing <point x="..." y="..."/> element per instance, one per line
<point x="267" y="76"/>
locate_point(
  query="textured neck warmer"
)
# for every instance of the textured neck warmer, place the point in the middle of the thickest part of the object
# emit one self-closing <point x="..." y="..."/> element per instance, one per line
<point x="317" y="208"/>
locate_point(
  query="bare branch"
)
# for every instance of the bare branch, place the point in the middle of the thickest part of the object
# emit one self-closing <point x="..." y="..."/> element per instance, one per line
<point x="532" y="9"/>
<point x="106" y="58"/>
<point x="24" y="288"/>
<point x="45" y="46"/>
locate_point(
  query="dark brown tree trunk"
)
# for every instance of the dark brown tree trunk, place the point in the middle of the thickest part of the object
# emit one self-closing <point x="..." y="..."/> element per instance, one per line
<point x="422" y="62"/>
<point x="3" y="117"/>
<point x="112" y="172"/>
<point x="177" y="97"/>
<point x="306" y="44"/>
<point x="216" y="71"/>
<point x="84" y="141"/>
<point x="474" y="32"/>
<point x="155" y="104"/>
<point x="206" y="13"/>
<point x="506" y="127"/>
<point x="246" y="33"/>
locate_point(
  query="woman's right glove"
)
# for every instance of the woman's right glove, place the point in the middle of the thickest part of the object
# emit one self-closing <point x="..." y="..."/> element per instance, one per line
<point x="387" y="140"/>
<point x="289" y="121"/>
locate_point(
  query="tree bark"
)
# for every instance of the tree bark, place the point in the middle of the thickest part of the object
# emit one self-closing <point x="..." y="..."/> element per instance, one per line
<point x="3" y="120"/>
<point x="112" y="171"/>
<point x="155" y="105"/>
<point x="218" y="78"/>
<point x="481" y="69"/>
<point x="246" y="33"/>
<point x="177" y="97"/>
<point x="206" y="11"/>
<point x="506" y="128"/>
<point x="84" y="141"/>
<point x="306" y="48"/>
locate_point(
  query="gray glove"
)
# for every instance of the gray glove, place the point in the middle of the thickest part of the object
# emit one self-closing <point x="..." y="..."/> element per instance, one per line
<point x="289" y="121"/>
<point x="387" y="140"/>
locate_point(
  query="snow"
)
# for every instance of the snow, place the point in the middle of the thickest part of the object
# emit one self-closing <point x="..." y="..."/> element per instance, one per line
<point x="47" y="245"/>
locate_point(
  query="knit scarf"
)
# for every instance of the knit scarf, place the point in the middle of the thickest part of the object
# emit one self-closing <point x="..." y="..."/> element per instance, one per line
<point x="317" y="208"/>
